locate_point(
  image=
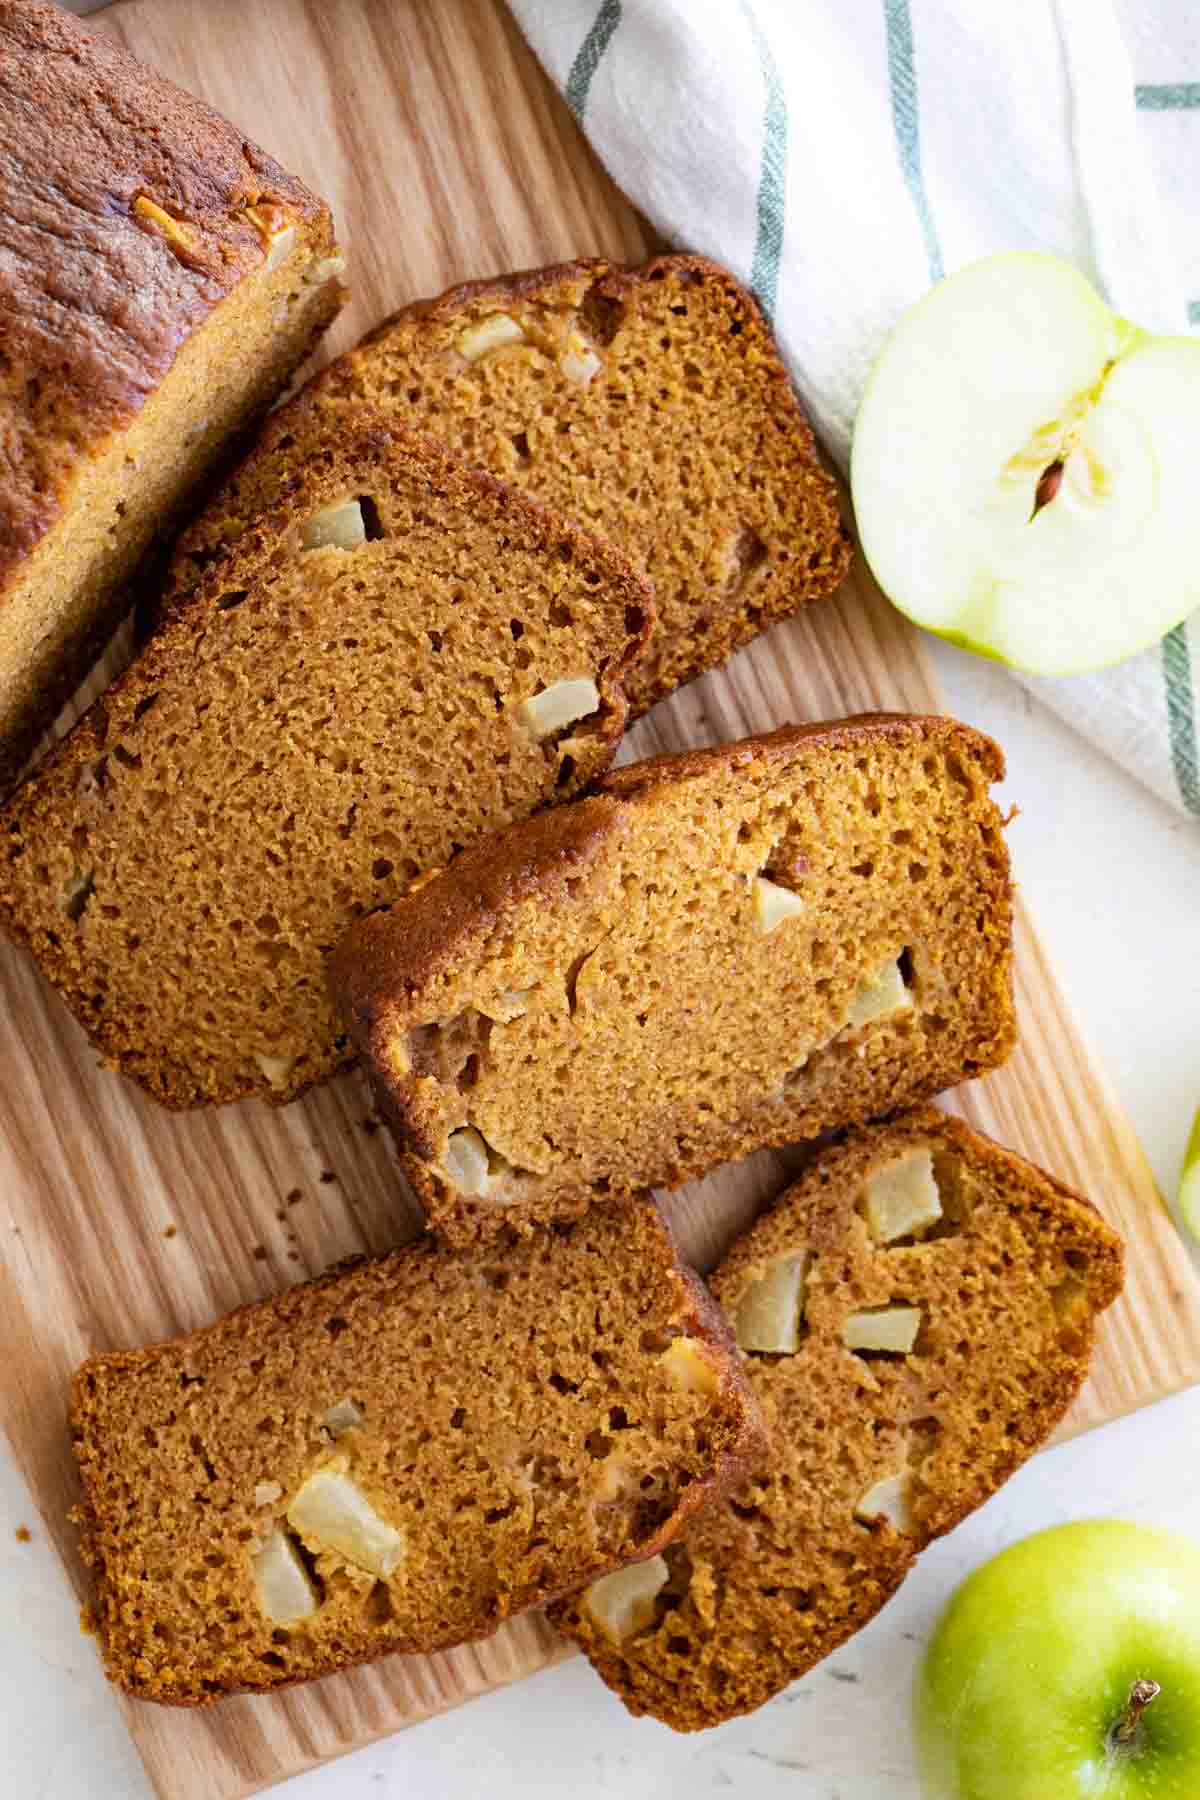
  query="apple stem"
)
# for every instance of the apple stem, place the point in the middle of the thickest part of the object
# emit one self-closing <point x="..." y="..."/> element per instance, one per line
<point x="1123" y="1735"/>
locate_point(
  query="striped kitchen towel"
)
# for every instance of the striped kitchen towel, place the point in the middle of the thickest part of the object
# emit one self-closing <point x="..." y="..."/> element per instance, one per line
<point x="840" y="155"/>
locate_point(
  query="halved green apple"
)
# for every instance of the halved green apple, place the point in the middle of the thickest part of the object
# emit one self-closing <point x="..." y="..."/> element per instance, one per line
<point x="1024" y="469"/>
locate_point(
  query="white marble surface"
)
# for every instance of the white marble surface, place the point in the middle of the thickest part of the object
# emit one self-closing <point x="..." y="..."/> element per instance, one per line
<point x="1113" y="879"/>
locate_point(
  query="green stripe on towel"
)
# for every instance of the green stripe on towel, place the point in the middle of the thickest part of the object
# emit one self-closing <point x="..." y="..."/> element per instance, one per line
<point x="1181" y="715"/>
<point x="772" y="179"/>
<point x="902" y="78"/>
<point x="1181" y="96"/>
<point x="589" y="55"/>
<point x="1167" y="96"/>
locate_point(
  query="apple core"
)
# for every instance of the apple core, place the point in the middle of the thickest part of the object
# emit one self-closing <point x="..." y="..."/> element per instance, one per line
<point x="1023" y="469"/>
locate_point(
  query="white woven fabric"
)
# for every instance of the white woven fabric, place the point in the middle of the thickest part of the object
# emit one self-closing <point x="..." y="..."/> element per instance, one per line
<point x="840" y="154"/>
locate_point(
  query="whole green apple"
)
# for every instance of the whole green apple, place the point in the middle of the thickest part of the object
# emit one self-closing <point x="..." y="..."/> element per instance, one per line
<point x="1068" y="1668"/>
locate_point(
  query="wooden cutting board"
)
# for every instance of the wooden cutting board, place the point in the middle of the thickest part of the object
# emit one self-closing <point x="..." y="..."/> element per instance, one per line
<point x="445" y="155"/>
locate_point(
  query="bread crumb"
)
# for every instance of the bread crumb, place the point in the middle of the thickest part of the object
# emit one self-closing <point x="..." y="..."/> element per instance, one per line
<point x="260" y="1253"/>
<point x="24" y="1535"/>
<point x="327" y="1175"/>
<point x="294" y="1196"/>
<point x="171" y="1231"/>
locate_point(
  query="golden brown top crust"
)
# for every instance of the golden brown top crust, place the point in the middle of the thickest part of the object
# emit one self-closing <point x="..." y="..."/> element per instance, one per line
<point x="615" y="280"/>
<point x="772" y="746"/>
<point x="95" y="300"/>
<point x="1006" y="1286"/>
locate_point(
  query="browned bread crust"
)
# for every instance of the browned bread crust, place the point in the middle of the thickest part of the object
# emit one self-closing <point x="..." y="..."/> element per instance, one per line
<point x="592" y="994"/>
<point x="518" y="1425"/>
<point x="125" y="222"/>
<point x="777" y="1576"/>
<point x="686" y="446"/>
<point x="301" y="737"/>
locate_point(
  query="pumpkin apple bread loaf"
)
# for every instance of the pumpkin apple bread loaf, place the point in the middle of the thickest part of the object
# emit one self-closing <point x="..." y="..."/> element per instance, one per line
<point x="717" y="951"/>
<point x="916" y="1314"/>
<point x="160" y="280"/>
<point x="391" y="656"/>
<point x="401" y="1454"/>
<point x="649" y="404"/>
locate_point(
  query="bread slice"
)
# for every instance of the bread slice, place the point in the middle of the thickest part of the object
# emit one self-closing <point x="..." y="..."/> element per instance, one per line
<point x="308" y="732"/>
<point x="401" y="1454"/>
<point x="160" y="280"/>
<point x="651" y="405"/>
<point x="999" y="1269"/>
<point x="720" y="950"/>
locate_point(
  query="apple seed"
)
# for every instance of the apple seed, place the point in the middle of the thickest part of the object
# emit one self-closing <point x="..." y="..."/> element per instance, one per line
<point x="1047" y="487"/>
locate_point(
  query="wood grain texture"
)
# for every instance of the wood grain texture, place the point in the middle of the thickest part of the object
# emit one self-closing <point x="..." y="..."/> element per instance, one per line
<point x="445" y="155"/>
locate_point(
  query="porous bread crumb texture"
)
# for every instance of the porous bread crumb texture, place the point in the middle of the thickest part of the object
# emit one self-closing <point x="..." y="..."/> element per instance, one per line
<point x="1009" y="1283"/>
<point x="150" y="307"/>
<point x="302" y="738"/>
<point x="651" y="405"/>
<point x="520" y="1432"/>
<point x="593" y="992"/>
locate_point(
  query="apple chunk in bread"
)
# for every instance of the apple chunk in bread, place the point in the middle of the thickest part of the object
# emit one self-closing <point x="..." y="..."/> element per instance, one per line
<point x="770" y="1310"/>
<point x="331" y="1513"/>
<point x="281" y="1582"/>
<point x="623" y="1603"/>
<point x="1024" y="469"/>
